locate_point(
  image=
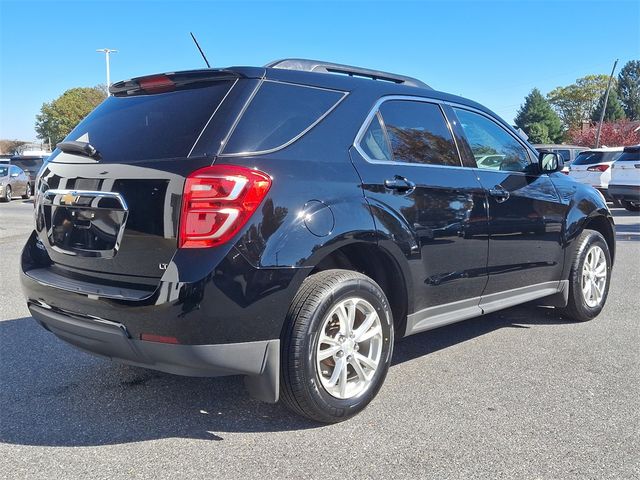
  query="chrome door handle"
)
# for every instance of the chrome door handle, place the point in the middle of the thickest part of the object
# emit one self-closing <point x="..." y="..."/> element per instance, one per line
<point x="401" y="184"/>
<point x="499" y="193"/>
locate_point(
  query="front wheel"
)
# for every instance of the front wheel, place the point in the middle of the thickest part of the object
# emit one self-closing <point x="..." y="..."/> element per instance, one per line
<point x="7" y="194"/>
<point x="630" y="206"/>
<point x="589" y="278"/>
<point x="27" y="192"/>
<point x="337" y="346"/>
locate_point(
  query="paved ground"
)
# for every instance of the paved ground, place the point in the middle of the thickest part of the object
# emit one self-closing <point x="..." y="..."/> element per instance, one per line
<point x="517" y="394"/>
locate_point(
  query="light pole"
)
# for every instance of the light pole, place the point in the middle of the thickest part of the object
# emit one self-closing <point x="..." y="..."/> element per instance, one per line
<point x="106" y="52"/>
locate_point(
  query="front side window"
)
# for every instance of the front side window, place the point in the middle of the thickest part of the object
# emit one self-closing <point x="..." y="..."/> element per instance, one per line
<point x="492" y="146"/>
<point x="565" y="154"/>
<point x="418" y="133"/>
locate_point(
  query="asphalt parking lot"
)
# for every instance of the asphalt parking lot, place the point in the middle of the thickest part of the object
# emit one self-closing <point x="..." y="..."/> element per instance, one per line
<point x="522" y="393"/>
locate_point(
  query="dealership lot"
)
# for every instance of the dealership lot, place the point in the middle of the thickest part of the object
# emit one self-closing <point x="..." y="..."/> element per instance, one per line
<point x="521" y="393"/>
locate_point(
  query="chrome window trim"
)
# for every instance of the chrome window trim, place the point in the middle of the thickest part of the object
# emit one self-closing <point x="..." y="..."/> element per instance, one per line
<point x="211" y="117"/>
<point x="292" y="140"/>
<point x="376" y="107"/>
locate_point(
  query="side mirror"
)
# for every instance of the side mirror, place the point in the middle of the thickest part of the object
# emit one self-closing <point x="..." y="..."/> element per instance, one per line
<point x="14" y="175"/>
<point x="550" y="162"/>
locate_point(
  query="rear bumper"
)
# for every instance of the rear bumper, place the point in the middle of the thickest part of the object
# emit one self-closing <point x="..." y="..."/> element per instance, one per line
<point x="259" y="360"/>
<point x="628" y="193"/>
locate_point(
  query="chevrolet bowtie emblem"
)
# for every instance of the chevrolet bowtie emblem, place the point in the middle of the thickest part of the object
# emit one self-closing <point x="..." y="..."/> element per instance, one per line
<point x="69" y="199"/>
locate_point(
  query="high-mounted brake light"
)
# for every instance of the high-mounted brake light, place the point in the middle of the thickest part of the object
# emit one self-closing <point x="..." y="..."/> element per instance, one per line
<point x="217" y="202"/>
<point x="598" y="168"/>
<point x="156" y="84"/>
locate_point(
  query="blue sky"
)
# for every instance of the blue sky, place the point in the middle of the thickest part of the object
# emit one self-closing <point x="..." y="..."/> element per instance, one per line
<point x="491" y="52"/>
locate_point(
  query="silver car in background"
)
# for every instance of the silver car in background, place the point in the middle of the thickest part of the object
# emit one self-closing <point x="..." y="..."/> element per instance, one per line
<point x="13" y="182"/>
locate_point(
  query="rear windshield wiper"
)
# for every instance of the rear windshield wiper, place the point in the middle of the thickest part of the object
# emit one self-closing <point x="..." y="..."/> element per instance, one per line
<point x="80" y="148"/>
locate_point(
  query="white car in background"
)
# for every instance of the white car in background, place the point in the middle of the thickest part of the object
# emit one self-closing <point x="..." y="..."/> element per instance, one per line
<point x="624" y="185"/>
<point x="593" y="167"/>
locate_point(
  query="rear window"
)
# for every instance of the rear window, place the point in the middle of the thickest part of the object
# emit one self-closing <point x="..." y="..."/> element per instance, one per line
<point x="31" y="165"/>
<point x="591" y="158"/>
<point x="145" y="127"/>
<point x="629" y="157"/>
<point x="278" y="114"/>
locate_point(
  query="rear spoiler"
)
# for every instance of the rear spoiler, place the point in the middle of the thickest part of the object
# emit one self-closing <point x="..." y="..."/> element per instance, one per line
<point x="166" y="82"/>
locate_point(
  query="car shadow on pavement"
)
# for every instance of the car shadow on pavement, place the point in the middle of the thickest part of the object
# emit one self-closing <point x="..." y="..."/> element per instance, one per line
<point x="54" y="395"/>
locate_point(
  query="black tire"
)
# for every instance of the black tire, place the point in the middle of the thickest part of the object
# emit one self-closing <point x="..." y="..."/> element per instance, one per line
<point x="27" y="192"/>
<point x="630" y="206"/>
<point x="7" y="194"/>
<point x="301" y="388"/>
<point x="577" y="307"/>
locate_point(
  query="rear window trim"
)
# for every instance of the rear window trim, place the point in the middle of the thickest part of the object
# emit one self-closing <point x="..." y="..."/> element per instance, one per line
<point x="290" y="141"/>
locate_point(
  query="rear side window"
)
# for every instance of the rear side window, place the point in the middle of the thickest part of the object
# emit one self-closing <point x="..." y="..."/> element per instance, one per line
<point x="278" y="114"/>
<point x="418" y="133"/>
<point x="144" y="127"/>
<point x="374" y="141"/>
<point x="592" y="158"/>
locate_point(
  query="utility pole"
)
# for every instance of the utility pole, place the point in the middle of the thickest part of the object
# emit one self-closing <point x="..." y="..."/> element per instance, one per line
<point x="107" y="52"/>
<point x="604" y="105"/>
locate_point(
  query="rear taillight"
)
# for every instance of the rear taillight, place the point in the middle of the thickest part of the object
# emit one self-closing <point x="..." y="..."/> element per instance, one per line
<point x="217" y="202"/>
<point x="598" y="168"/>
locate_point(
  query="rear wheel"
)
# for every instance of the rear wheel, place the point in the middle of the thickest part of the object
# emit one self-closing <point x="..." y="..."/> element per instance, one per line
<point x="27" y="192"/>
<point x="632" y="207"/>
<point x="7" y="194"/>
<point x="589" y="278"/>
<point x="337" y="347"/>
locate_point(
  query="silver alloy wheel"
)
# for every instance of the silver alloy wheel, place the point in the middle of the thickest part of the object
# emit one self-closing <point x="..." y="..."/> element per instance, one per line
<point x="349" y="348"/>
<point x="8" y="193"/>
<point x="594" y="276"/>
<point x="28" y="192"/>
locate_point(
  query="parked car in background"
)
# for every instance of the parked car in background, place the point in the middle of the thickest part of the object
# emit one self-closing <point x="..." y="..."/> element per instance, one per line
<point x="624" y="185"/>
<point x="567" y="152"/>
<point x="287" y="224"/>
<point x="593" y="167"/>
<point x="13" y="182"/>
<point x="30" y="165"/>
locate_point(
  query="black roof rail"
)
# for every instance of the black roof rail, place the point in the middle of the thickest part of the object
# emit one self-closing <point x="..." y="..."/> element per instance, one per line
<point x="329" y="67"/>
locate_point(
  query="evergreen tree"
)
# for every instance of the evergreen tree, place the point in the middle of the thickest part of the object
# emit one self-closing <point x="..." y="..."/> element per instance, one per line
<point x="538" y="120"/>
<point x="629" y="89"/>
<point x="614" y="110"/>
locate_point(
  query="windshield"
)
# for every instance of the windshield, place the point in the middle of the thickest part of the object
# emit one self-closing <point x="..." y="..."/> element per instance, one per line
<point x="4" y="171"/>
<point x="591" y="158"/>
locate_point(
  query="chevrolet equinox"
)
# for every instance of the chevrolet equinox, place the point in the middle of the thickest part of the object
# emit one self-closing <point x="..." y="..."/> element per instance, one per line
<point x="288" y="222"/>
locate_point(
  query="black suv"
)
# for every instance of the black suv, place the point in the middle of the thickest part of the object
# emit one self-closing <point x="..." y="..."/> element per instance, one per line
<point x="287" y="223"/>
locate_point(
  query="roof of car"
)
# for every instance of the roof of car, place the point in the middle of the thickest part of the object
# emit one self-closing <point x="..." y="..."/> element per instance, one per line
<point x="605" y="149"/>
<point x="558" y="145"/>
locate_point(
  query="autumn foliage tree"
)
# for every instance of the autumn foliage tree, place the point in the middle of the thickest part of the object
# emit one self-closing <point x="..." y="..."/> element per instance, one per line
<point x="59" y="117"/>
<point x="613" y="134"/>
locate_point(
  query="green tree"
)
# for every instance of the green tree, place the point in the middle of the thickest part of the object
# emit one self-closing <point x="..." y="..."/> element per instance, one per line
<point x="614" y="110"/>
<point x="575" y="103"/>
<point x="629" y="89"/>
<point x="539" y="133"/>
<point x="57" y="118"/>
<point x="538" y="120"/>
